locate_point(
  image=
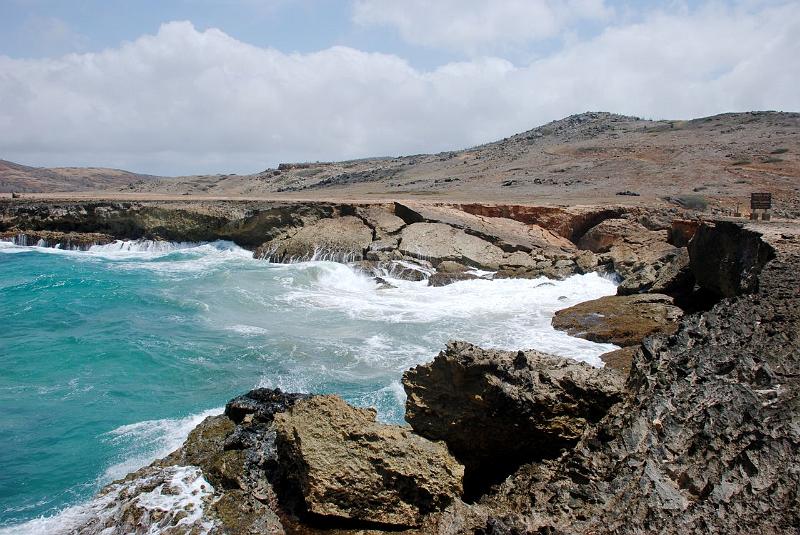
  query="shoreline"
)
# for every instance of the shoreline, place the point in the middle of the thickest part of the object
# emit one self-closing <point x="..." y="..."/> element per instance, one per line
<point x="690" y="272"/>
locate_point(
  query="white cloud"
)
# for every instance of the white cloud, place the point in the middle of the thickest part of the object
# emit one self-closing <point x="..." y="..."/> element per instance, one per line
<point x="185" y="101"/>
<point x="477" y="25"/>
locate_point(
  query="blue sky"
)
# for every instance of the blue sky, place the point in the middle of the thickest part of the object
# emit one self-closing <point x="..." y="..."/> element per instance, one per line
<point x="203" y="86"/>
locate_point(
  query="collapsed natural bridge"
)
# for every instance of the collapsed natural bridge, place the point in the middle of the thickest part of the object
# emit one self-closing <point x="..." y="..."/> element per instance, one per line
<point x="693" y="427"/>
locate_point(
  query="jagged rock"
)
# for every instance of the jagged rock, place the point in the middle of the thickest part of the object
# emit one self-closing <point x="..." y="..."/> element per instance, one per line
<point x="569" y="222"/>
<point x="706" y="438"/>
<point x="339" y="238"/>
<point x="383" y="284"/>
<point x="383" y="245"/>
<point x="346" y="465"/>
<point x="606" y="234"/>
<point x="248" y="223"/>
<point x="437" y="242"/>
<point x="499" y="409"/>
<point x="154" y="499"/>
<point x="262" y="403"/>
<point x="219" y="481"/>
<point x="443" y="279"/>
<point x="627" y="245"/>
<point x="621" y="320"/>
<point x="669" y="275"/>
<point x="586" y="261"/>
<point x="559" y="269"/>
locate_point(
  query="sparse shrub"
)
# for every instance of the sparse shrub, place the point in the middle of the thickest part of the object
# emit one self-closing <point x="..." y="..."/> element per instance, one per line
<point x="692" y="202"/>
<point x="780" y="151"/>
<point x="742" y="162"/>
<point x="771" y="160"/>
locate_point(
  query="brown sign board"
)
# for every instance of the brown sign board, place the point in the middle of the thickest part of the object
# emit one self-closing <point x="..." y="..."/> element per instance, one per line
<point x="761" y="201"/>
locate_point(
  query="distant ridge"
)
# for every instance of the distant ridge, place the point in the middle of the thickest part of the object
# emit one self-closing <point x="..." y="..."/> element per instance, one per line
<point x="584" y="158"/>
<point x="16" y="177"/>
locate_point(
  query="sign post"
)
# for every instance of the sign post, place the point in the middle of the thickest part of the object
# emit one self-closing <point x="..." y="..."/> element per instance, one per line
<point x="760" y="203"/>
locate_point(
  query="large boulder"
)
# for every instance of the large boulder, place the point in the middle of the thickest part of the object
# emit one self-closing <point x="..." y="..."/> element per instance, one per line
<point x="606" y="234"/>
<point x="670" y="274"/>
<point x="338" y="238"/>
<point x="508" y="234"/>
<point x="346" y="465"/>
<point x="624" y="320"/>
<point x="437" y="242"/>
<point x="627" y="245"/>
<point x="499" y="409"/>
<point x="382" y="219"/>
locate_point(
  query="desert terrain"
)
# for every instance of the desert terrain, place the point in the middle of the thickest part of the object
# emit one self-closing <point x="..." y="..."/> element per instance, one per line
<point x="711" y="164"/>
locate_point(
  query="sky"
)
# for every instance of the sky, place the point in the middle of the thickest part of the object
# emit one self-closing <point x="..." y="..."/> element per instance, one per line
<point x="174" y="87"/>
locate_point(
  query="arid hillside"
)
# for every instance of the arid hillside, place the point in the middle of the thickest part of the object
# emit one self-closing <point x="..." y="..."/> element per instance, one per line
<point x="15" y="177"/>
<point x="713" y="162"/>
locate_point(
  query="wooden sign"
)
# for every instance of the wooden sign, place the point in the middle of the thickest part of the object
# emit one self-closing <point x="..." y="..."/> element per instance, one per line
<point x="761" y="201"/>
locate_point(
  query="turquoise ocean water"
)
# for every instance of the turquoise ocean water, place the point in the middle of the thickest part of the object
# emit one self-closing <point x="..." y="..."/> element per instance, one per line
<point x="109" y="357"/>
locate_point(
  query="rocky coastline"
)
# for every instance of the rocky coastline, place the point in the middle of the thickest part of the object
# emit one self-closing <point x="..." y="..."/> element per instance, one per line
<point x="692" y="426"/>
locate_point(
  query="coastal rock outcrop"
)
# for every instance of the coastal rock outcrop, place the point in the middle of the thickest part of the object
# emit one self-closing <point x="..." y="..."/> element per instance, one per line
<point x="669" y="274"/>
<point x="61" y="240"/>
<point x="499" y="409"/>
<point x="726" y="258"/>
<point x="628" y="246"/>
<point x="343" y="238"/>
<point x="347" y="465"/>
<point x="620" y="320"/>
<point x="706" y="438"/>
<point x="437" y="242"/>
<point x="508" y="234"/>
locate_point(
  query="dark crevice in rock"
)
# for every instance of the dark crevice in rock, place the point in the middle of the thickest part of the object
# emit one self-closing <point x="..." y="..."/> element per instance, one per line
<point x="727" y="259"/>
<point x="498" y="410"/>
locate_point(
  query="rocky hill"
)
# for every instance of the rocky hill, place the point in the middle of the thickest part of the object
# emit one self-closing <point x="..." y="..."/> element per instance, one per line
<point x="709" y="163"/>
<point x="15" y="177"/>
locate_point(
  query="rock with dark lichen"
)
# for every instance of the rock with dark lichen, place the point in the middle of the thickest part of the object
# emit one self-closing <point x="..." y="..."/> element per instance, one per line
<point x="262" y="403"/>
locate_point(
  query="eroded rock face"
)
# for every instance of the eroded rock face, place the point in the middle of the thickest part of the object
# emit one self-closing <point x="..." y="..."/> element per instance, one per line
<point x="499" y="409"/>
<point x="340" y="238"/>
<point x="219" y="481"/>
<point x="628" y="246"/>
<point x="61" y="240"/>
<point x="706" y="439"/>
<point x="382" y="219"/>
<point x="347" y="465"/>
<point x="437" y="242"/>
<point x="726" y="258"/>
<point x="508" y="234"/>
<point x="621" y="320"/>
<point x="670" y="274"/>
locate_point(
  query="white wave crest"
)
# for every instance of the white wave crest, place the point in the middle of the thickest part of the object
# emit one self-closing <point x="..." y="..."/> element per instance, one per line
<point x="160" y="500"/>
<point x="144" y="442"/>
